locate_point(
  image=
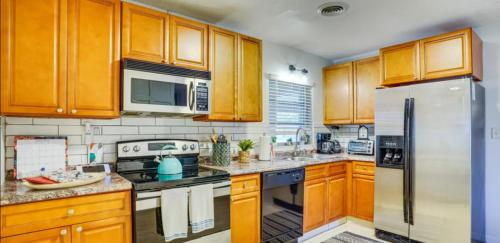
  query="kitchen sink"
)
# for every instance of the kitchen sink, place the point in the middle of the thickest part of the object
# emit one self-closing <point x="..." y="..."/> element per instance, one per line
<point x="304" y="158"/>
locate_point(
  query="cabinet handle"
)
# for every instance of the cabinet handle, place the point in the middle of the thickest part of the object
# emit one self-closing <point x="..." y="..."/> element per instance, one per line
<point x="79" y="229"/>
<point x="63" y="232"/>
<point x="73" y="111"/>
<point x="245" y="184"/>
<point x="59" y="110"/>
<point x="71" y="212"/>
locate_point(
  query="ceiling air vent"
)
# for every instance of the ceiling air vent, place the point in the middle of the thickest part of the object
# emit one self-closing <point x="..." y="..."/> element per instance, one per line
<point x="332" y="9"/>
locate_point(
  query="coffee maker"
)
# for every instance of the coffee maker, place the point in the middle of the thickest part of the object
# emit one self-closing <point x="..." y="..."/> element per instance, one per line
<point x="326" y="145"/>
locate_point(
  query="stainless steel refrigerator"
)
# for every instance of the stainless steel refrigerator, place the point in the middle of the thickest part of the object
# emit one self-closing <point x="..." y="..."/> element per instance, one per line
<point x="429" y="179"/>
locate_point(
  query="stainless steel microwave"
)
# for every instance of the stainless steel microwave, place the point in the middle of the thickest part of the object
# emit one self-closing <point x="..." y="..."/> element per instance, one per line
<point x="150" y="88"/>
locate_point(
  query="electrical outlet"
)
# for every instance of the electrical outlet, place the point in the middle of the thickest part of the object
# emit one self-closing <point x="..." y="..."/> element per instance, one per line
<point x="495" y="133"/>
<point x="96" y="130"/>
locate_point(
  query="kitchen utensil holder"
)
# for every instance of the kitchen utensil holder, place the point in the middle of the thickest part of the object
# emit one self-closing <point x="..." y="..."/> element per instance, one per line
<point x="221" y="154"/>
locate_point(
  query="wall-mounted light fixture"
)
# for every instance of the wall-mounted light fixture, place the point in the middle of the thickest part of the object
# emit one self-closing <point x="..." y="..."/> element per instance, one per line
<point x="292" y="68"/>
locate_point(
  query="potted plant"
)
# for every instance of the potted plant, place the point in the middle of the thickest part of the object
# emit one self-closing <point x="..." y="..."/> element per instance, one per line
<point x="245" y="146"/>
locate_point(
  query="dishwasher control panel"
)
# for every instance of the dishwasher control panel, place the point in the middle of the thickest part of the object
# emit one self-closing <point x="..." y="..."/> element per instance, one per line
<point x="282" y="178"/>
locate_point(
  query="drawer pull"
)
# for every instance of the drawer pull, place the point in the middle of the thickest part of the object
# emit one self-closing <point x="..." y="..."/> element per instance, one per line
<point x="245" y="184"/>
<point x="59" y="110"/>
<point x="63" y="232"/>
<point x="79" y="229"/>
<point x="73" y="111"/>
<point x="71" y="212"/>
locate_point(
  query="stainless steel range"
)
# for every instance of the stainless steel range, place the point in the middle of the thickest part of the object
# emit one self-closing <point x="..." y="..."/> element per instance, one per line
<point x="136" y="164"/>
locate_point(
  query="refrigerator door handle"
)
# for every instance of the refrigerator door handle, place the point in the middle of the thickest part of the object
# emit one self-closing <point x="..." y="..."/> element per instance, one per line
<point x="411" y="166"/>
<point x="406" y="161"/>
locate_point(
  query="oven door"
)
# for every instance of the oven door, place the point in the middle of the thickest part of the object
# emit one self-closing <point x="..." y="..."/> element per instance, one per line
<point x="158" y="93"/>
<point x="148" y="227"/>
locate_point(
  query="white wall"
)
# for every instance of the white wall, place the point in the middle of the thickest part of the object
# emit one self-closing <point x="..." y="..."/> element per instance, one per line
<point x="491" y="39"/>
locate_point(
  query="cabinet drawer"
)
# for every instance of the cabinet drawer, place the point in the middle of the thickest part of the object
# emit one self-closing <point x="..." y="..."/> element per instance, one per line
<point x="336" y="169"/>
<point x="23" y="218"/>
<point x="363" y="168"/>
<point x="316" y="172"/>
<point x="245" y="183"/>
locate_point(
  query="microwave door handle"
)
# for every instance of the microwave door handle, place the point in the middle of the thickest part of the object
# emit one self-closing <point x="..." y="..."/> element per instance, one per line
<point x="191" y="95"/>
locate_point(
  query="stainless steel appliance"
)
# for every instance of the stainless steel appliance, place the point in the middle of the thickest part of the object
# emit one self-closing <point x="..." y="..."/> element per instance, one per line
<point x="164" y="89"/>
<point x="360" y="146"/>
<point x="326" y="145"/>
<point x="429" y="184"/>
<point x="136" y="164"/>
<point x="282" y="205"/>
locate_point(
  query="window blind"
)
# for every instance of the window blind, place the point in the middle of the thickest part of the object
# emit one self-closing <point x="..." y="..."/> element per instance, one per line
<point x="289" y="108"/>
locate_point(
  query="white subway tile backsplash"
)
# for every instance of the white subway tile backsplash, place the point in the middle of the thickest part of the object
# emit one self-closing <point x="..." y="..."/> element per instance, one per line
<point x="138" y="121"/>
<point x="40" y="130"/>
<point x="154" y="130"/>
<point x="166" y="121"/>
<point x="55" y="121"/>
<point x="106" y="139"/>
<point x="137" y="137"/>
<point x="109" y="148"/>
<point x="223" y="124"/>
<point x="170" y="136"/>
<point x="9" y="140"/>
<point x="120" y="130"/>
<point x="77" y="149"/>
<point x="185" y="130"/>
<point x="74" y="140"/>
<point x="70" y="130"/>
<point x="9" y="163"/>
<point x="97" y="122"/>
<point x="210" y="130"/>
<point x="77" y="159"/>
<point x="111" y="157"/>
<point x="18" y="120"/>
<point x="191" y="123"/>
<point x="9" y="152"/>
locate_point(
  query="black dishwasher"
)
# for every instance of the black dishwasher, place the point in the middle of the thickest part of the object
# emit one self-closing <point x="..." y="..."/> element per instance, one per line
<point x="282" y="205"/>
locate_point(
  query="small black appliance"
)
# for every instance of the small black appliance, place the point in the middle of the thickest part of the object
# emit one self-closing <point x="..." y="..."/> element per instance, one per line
<point x="327" y="145"/>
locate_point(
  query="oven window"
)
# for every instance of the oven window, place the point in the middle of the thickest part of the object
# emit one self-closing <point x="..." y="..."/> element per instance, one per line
<point x="158" y="93"/>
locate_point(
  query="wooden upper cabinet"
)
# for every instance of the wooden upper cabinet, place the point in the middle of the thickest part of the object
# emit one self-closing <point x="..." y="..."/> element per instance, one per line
<point x="452" y="54"/>
<point x="94" y="58"/>
<point x="224" y="70"/>
<point x="188" y="43"/>
<point x="250" y="79"/>
<point x="56" y="235"/>
<point x="33" y="57"/>
<point x="315" y="203"/>
<point x="144" y="33"/>
<point x="338" y="94"/>
<point x="116" y="229"/>
<point x="245" y="217"/>
<point x="400" y="64"/>
<point x="366" y="80"/>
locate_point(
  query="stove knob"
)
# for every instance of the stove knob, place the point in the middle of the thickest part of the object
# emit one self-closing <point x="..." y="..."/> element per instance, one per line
<point x="192" y="147"/>
<point x="137" y="148"/>
<point x="184" y="147"/>
<point x="126" y="149"/>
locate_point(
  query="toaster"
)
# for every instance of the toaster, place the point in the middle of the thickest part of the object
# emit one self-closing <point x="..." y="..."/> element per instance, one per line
<point x="363" y="147"/>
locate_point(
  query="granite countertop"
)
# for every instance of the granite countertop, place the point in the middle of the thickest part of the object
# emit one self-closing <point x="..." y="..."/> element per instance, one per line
<point x="12" y="192"/>
<point x="257" y="166"/>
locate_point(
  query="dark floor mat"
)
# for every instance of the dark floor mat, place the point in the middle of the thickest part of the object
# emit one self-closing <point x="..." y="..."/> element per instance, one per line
<point x="348" y="237"/>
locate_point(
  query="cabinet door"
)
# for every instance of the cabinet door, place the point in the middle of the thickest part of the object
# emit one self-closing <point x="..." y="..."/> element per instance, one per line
<point x="363" y="196"/>
<point x="117" y="230"/>
<point x="338" y="94"/>
<point x="224" y="69"/>
<point x="446" y="55"/>
<point x="33" y="57"/>
<point x="188" y="43"/>
<point x="366" y="79"/>
<point x="336" y="197"/>
<point x="245" y="217"/>
<point x="144" y="33"/>
<point x="400" y="64"/>
<point x="93" y="58"/>
<point x="315" y="204"/>
<point x="250" y="79"/>
<point x="57" y="235"/>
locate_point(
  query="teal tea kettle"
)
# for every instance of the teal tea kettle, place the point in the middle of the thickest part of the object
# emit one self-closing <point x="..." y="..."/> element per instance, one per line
<point x="170" y="168"/>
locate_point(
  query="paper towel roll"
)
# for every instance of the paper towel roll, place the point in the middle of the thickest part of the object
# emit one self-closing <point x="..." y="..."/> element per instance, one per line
<point x="265" y="148"/>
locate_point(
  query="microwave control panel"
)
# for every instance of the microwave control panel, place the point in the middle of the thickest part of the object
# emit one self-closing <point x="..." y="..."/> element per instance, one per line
<point x="202" y="97"/>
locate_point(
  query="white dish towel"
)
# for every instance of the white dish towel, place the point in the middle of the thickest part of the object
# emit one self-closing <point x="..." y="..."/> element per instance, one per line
<point x="201" y="207"/>
<point x="174" y="213"/>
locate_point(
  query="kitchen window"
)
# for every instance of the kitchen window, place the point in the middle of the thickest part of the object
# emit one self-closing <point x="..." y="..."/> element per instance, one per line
<point x="289" y="109"/>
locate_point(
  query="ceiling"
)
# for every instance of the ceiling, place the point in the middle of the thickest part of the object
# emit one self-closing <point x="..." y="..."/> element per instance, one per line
<point x="366" y="26"/>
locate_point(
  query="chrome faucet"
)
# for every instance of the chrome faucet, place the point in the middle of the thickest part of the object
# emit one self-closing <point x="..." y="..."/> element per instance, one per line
<point x="297" y="151"/>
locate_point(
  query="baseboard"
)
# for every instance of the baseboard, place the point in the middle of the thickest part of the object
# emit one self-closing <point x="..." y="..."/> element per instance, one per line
<point x="322" y="229"/>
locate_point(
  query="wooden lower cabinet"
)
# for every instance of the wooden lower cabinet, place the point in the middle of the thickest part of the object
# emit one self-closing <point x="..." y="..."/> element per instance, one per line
<point x="57" y="235"/>
<point x="363" y="196"/>
<point x="245" y="209"/>
<point x="336" y="197"/>
<point x="315" y="203"/>
<point x="95" y="218"/>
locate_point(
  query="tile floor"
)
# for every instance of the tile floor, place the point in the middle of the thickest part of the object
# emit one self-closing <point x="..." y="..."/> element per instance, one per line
<point x="352" y="225"/>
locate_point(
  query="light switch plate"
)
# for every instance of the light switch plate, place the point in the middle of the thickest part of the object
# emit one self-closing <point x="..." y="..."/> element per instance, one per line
<point x="495" y="133"/>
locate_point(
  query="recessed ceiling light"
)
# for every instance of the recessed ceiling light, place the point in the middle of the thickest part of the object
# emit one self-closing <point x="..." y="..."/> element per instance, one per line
<point x="332" y="9"/>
